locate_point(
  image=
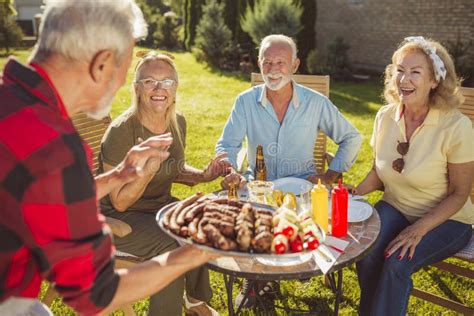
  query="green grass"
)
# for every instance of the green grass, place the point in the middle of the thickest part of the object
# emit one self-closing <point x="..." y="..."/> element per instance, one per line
<point x="205" y="97"/>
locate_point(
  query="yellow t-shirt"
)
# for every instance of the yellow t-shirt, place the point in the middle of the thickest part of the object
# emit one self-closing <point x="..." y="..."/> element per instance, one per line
<point x="446" y="136"/>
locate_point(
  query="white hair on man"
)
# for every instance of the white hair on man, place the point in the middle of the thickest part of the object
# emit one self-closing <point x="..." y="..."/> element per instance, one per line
<point x="78" y="29"/>
<point x="267" y="41"/>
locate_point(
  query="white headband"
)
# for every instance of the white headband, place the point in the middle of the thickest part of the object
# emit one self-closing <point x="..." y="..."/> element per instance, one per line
<point x="438" y="64"/>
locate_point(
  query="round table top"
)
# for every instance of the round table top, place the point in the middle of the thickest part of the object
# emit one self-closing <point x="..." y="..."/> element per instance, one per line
<point x="361" y="237"/>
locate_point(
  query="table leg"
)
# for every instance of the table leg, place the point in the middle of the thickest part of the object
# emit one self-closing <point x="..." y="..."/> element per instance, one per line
<point x="229" y="286"/>
<point x="252" y="286"/>
<point x="338" y="292"/>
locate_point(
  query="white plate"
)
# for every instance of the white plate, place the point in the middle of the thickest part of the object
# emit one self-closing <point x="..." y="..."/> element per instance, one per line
<point x="285" y="261"/>
<point x="358" y="211"/>
<point x="290" y="184"/>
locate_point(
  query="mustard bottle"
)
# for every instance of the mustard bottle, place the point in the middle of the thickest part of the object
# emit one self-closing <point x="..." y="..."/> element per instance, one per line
<point x="319" y="205"/>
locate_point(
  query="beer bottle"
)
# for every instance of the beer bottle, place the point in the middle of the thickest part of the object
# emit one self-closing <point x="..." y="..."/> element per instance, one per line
<point x="260" y="171"/>
<point x="232" y="195"/>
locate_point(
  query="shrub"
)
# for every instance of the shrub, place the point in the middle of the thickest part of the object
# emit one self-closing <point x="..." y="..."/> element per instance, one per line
<point x="168" y="29"/>
<point x="213" y="37"/>
<point x="272" y="17"/>
<point x="316" y="63"/>
<point x="153" y="18"/>
<point x="10" y="32"/>
<point x="337" y="61"/>
<point x="463" y="57"/>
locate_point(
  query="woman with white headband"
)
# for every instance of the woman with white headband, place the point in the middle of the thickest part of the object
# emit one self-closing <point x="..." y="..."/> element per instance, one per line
<point x="423" y="161"/>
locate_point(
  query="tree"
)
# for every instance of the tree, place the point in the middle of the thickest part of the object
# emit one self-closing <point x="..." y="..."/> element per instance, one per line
<point x="272" y="17"/>
<point x="10" y="32"/>
<point x="213" y="36"/>
<point x="306" y="39"/>
<point x="168" y="29"/>
<point x="194" y="15"/>
<point x="153" y="18"/>
<point x="185" y="18"/>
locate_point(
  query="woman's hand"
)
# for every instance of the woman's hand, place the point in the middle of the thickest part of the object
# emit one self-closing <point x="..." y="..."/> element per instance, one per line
<point x="406" y="241"/>
<point x="218" y="166"/>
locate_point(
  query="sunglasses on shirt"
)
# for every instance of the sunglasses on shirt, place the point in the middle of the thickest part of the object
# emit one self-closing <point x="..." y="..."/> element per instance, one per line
<point x="399" y="164"/>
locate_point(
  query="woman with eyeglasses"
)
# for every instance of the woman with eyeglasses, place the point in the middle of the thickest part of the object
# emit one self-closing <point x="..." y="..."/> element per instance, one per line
<point x="423" y="161"/>
<point x="152" y="113"/>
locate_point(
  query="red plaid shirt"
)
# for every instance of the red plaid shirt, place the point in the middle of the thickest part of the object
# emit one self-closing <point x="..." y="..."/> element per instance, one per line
<point x="50" y="226"/>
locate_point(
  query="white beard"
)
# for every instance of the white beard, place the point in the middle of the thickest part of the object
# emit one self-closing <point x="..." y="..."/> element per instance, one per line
<point x="104" y="105"/>
<point x="276" y="86"/>
<point x="100" y="113"/>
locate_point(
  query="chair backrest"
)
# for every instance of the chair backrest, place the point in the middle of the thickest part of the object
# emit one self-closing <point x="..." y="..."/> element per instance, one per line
<point x="467" y="108"/>
<point x="320" y="84"/>
<point x="91" y="132"/>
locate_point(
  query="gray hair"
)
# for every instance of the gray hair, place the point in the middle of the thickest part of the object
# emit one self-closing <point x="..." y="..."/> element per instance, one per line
<point x="78" y="29"/>
<point x="267" y="41"/>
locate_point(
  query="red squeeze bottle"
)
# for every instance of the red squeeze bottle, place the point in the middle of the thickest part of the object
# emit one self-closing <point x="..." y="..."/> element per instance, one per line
<point x="339" y="201"/>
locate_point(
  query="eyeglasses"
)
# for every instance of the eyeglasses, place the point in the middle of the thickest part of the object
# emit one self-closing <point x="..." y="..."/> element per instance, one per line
<point x="399" y="164"/>
<point x="152" y="83"/>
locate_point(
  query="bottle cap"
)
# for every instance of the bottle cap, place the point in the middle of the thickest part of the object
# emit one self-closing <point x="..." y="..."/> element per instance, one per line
<point x="339" y="187"/>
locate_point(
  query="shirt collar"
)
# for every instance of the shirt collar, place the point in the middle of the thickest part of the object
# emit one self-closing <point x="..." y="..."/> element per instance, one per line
<point x="46" y="77"/>
<point x="263" y="100"/>
<point x="432" y="117"/>
<point x="34" y="80"/>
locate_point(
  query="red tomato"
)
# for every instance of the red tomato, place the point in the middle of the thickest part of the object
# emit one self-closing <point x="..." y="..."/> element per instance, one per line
<point x="312" y="243"/>
<point x="296" y="245"/>
<point x="279" y="232"/>
<point x="288" y="231"/>
<point x="280" y="247"/>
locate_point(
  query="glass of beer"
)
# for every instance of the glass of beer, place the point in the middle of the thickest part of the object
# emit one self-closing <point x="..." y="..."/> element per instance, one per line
<point x="261" y="192"/>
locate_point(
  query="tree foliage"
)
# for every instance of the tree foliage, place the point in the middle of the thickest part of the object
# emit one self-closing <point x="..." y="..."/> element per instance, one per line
<point x="194" y="13"/>
<point x="214" y="39"/>
<point x="10" y="33"/>
<point x="463" y="56"/>
<point x="162" y="24"/>
<point x="272" y="17"/>
<point x="306" y="39"/>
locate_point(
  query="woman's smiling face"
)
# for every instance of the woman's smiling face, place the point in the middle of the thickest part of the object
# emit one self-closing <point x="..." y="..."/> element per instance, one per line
<point x="414" y="78"/>
<point x="157" y="98"/>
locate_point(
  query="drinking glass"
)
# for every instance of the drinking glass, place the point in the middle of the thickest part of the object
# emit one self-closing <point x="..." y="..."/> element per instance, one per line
<point x="305" y="198"/>
<point x="261" y="192"/>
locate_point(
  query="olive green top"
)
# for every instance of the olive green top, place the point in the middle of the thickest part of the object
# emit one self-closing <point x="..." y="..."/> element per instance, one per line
<point x="122" y="134"/>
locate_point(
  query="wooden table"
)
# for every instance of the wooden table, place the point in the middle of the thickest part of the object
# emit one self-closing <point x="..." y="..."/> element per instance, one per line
<point x="361" y="239"/>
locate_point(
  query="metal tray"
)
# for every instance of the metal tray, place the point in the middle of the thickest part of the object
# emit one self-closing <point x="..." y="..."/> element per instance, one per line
<point x="183" y="241"/>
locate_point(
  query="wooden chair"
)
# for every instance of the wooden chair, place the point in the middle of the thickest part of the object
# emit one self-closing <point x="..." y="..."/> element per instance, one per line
<point x="320" y="84"/>
<point x="467" y="254"/>
<point x="91" y="132"/>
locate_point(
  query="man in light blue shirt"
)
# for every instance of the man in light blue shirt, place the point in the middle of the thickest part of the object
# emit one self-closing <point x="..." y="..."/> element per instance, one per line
<point x="285" y="117"/>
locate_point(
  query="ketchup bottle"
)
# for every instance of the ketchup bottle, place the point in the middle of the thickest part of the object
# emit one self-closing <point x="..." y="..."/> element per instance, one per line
<point x="339" y="201"/>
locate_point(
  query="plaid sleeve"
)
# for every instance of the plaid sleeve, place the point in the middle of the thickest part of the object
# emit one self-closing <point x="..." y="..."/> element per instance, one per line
<point x="69" y="238"/>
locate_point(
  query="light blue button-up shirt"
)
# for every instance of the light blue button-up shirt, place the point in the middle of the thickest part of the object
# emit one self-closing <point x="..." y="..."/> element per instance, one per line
<point x="287" y="147"/>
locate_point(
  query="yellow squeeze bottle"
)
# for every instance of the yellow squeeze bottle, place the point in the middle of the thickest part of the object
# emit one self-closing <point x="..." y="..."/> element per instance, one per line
<point x="319" y="205"/>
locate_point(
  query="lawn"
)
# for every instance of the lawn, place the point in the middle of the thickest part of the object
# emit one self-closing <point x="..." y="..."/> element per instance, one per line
<point x="205" y="97"/>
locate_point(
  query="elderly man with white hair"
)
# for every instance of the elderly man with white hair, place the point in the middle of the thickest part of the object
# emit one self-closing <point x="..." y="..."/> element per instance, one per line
<point x="50" y="225"/>
<point x="285" y="117"/>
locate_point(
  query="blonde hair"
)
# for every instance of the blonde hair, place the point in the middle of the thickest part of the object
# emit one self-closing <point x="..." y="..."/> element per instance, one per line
<point x="170" y="114"/>
<point x="445" y="95"/>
